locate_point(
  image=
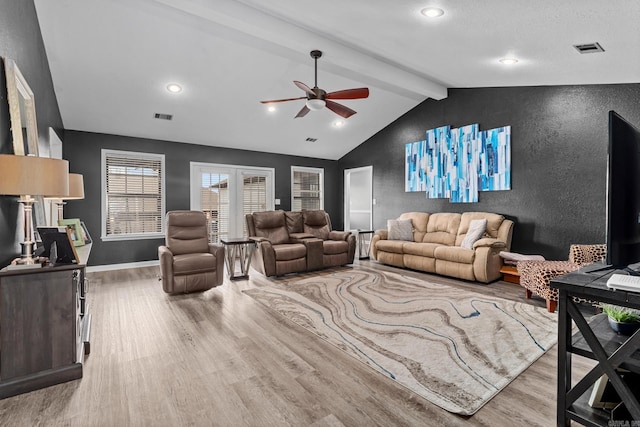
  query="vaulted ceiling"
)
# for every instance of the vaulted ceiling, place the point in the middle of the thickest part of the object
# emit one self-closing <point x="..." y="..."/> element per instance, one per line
<point x="111" y="61"/>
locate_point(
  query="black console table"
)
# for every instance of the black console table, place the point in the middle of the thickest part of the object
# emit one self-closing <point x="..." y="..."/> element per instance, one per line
<point x="595" y="340"/>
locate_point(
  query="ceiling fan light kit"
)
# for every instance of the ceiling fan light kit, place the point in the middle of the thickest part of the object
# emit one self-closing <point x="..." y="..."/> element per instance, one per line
<point x="317" y="99"/>
<point x="315" y="104"/>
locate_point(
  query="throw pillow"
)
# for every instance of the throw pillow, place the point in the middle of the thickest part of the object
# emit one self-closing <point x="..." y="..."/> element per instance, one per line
<point x="477" y="227"/>
<point x="400" y="229"/>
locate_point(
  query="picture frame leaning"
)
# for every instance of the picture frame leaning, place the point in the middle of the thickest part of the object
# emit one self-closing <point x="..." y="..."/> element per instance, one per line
<point x="74" y="225"/>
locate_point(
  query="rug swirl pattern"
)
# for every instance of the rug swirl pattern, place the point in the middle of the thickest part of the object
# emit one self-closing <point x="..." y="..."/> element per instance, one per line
<point x="453" y="347"/>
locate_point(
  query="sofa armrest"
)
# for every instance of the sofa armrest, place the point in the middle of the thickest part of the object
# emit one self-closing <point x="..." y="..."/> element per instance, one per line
<point x="218" y="251"/>
<point x="382" y="234"/>
<point x="490" y="242"/>
<point x="165" y="256"/>
<point x="264" y="256"/>
<point x="315" y="253"/>
<point x="339" y="235"/>
<point x="379" y="235"/>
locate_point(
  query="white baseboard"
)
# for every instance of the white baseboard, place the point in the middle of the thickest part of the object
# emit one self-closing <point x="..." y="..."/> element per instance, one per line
<point x="124" y="266"/>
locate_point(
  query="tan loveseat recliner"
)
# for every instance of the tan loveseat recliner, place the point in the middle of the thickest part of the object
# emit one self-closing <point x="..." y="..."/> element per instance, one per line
<point x="293" y="242"/>
<point x="435" y="246"/>
<point x="188" y="262"/>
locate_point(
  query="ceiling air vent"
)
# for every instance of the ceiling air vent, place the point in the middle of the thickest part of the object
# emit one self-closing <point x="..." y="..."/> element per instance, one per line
<point x="589" y="48"/>
<point x="311" y="139"/>
<point x="163" y="116"/>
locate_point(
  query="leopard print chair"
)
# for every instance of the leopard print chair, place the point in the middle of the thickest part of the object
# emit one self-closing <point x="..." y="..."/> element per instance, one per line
<point x="535" y="276"/>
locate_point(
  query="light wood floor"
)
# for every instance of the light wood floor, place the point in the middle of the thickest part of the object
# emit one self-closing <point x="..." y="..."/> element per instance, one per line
<point x="219" y="358"/>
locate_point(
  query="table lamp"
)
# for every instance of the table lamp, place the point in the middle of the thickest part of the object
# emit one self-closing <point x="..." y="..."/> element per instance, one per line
<point x="76" y="192"/>
<point x="28" y="176"/>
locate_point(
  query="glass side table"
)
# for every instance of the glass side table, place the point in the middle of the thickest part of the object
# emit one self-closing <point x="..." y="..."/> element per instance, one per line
<point x="364" y="243"/>
<point x="241" y="248"/>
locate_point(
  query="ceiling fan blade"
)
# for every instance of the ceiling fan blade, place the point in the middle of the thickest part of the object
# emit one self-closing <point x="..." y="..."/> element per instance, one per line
<point x="359" y="93"/>
<point x="283" y="100"/>
<point x="304" y="87"/>
<point x="303" y="112"/>
<point x="339" y="109"/>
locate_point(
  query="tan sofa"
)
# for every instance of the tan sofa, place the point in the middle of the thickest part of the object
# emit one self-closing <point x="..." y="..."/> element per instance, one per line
<point x="293" y="242"/>
<point x="436" y="245"/>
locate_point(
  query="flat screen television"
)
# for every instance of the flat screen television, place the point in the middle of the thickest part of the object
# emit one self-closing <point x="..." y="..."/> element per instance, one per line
<point x="623" y="193"/>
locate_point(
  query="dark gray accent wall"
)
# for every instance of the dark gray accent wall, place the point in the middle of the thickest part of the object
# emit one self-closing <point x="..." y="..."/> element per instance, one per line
<point x="559" y="138"/>
<point x="83" y="150"/>
<point x="20" y="40"/>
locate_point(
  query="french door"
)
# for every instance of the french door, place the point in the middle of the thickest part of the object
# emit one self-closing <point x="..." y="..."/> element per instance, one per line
<point x="225" y="193"/>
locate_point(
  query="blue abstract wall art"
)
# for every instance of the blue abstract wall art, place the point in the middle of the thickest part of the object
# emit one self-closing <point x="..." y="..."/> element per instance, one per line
<point x="415" y="169"/>
<point x="494" y="170"/>
<point x="458" y="163"/>
<point x="437" y="153"/>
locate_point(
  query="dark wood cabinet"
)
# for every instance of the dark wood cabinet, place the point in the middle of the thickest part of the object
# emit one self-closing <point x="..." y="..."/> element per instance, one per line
<point x="44" y="324"/>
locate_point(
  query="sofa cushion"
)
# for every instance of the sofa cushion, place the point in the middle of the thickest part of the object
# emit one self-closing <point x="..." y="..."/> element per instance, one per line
<point x="194" y="263"/>
<point x="271" y="225"/>
<point x="186" y="232"/>
<point x="494" y="221"/>
<point x="316" y="218"/>
<point x="315" y="222"/>
<point x="419" y="221"/>
<point x="400" y="229"/>
<point x="391" y="246"/>
<point x="442" y="228"/>
<point x="287" y="252"/>
<point x="455" y="254"/>
<point x="293" y="221"/>
<point x="332" y="247"/>
<point x="477" y="227"/>
<point x="421" y="249"/>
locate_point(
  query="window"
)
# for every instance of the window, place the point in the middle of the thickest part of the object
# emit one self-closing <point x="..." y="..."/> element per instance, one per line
<point x="133" y="205"/>
<point x="307" y="188"/>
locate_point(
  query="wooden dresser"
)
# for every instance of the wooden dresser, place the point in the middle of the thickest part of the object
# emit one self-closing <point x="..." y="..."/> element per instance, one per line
<point x="44" y="327"/>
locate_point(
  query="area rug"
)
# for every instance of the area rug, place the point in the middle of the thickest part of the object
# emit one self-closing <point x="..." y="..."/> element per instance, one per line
<point x="453" y="347"/>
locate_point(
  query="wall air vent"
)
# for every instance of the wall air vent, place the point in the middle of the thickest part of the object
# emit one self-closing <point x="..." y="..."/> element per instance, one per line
<point x="589" y="48"/>
<point x="311" y="139"/>
<point x="163" y="116"/>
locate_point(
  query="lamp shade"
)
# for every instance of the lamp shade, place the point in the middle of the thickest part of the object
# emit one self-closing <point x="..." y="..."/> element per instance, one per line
<point x="33" y="176"/>
<point x="76" y="189"/>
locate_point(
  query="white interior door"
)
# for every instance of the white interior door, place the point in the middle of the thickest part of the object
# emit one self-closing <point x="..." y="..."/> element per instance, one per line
<point x="358" y="198"/>
<point x="225" y="193"/>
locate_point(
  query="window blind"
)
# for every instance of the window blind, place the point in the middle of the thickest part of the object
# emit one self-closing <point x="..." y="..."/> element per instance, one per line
<point x="306" y="189"/>
<point x="254" y="196"/>
<point x="214" y="202"/>
<point x="134" y="193"/>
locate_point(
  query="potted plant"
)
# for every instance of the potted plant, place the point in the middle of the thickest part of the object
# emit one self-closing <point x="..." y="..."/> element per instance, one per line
<point x="623" y="320"/>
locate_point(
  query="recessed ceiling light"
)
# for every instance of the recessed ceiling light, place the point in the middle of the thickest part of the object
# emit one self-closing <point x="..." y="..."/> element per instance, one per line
<point x="432" y="12"/>
<point x="174" y="88"/>
<point x="338" y="123"/>
<point x="508" y="61"/>
<point x="271" y="108"/>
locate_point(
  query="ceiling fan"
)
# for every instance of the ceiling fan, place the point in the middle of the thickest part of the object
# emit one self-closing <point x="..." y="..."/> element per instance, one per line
<point x="318" y="98"/>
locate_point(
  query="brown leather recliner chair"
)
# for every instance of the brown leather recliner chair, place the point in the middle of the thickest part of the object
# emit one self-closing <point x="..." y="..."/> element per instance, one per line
<point x="188" y="262"/>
